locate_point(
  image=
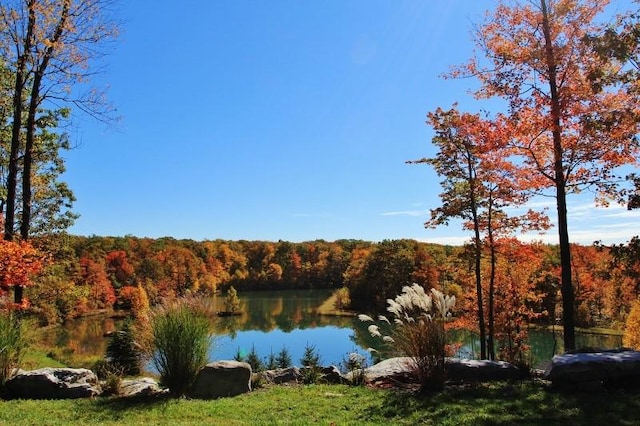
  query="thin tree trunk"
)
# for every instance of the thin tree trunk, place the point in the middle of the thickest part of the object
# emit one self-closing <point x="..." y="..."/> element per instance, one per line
<point x="478" y="257"/>
<point x="492" y="280"/>
<point x="568" y="319"/>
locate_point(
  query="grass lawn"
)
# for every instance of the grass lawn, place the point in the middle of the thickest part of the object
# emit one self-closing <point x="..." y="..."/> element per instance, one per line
<point x="523" y="403"/>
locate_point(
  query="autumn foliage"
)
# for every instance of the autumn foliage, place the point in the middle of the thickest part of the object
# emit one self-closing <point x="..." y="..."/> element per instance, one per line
<point x="19" y="262"/>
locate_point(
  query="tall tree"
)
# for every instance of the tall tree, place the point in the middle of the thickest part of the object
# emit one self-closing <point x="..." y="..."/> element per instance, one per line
<point x="479" y="182"/>
<point x="49" y="47"/>
<point x="569" y="136"/>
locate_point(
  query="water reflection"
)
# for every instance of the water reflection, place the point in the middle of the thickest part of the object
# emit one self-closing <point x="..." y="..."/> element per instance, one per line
<point x="273" y="320"/>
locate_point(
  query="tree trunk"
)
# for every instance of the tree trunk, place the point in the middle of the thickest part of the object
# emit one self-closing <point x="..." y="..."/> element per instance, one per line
<point x="477" y="256"/>
<point x="18" y="92"/>
<point x="568" y="318"/>
<point x="492" y="281"/>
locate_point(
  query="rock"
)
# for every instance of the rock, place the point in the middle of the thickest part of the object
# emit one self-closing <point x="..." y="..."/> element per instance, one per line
<point x="400" y="369"/>
<point x="282" y="375"/>
<point x="393" y="368"/>
<point x="594" y="370"/>
<point x="222" y="379"/>
<point x="54" y="383"/>
<point x="144" y="386"/>
<point x="331" y="375"/>
<point x="470" y="370"/>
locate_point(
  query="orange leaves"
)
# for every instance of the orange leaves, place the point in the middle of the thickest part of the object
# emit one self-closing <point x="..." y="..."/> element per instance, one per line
<point x="19" y="261"/>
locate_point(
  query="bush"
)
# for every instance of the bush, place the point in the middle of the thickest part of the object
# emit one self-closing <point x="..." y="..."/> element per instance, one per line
<point x="631" y="338"/>
<point x="355" y="365"/>
<point x="254" y="360"/>
<point x="311" y="362"/>
<point x="14" y="342"/>
<point x="283" y="359"/>
<point x="310" y="357"/>
<point x="418" y="331"/>
<point x="181" y="342"/>
<point x="232" y="302"/>
<point x="123" y="353"/>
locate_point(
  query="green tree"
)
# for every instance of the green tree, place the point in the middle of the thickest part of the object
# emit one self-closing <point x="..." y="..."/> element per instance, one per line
<point x="48" y="47"/>
<point x="232" y="302"/>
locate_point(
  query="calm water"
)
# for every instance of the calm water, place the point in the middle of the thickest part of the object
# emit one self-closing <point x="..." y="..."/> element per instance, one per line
<point x="274" y="320"/>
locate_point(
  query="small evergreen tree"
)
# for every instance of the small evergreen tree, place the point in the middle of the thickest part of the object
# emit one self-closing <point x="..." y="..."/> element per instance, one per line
<point x="122" y="353"/>
<point x="310" y="357"/>
<point x="283" y="359"/>
<point x="271" y="362"/>
<point x="254" y="360"/>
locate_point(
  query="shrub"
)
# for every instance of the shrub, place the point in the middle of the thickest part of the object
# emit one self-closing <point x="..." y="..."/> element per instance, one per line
<point x="122" y="351"/>
<point x="14" y="341"/>
<point x="310" y="356"/>
<point x="232" y="302"/>
<point x="355" y="364"/>
<point x="181" y="342"/>
<point x="254" y="360"/>
<point x="342" y="299"/>
<point x="271" y="362"/>
<point x="311" y="362"/>
<point x="283" y="359"/>
<point x="418" y="331"/>
<point x="631" y="338"/>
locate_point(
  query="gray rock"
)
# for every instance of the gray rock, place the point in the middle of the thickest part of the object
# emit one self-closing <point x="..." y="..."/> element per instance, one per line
<point x="392" y="368"/>
<point x="594" y="370"/>
<point x="470" y="370"/>
<point x="282" y="375"/>
<point x="54" y="383"/>
<point x="140" y="387"/>
<point x="221" y="379"/>
<point x="458" y="370"/>
<point x="331" y="375"/>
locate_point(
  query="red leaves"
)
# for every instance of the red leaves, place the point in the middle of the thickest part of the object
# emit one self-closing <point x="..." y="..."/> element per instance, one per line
<point x="19" y="261"/>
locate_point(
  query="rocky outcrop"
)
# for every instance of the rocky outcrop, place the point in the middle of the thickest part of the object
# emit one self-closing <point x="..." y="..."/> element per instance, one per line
<point x="54" y="383"/>
<point x="330" y="374"/>
<point x="222" y="379"/>
<point x="282" y="375"/>
<point x="595" y="370"/>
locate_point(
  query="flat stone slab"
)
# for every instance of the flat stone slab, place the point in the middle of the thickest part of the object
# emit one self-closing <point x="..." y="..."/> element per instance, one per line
<point x="594" y="369"/>
<point x="458" y="370"/>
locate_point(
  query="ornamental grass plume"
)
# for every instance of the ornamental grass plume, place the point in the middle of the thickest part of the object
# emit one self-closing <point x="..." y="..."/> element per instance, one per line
<point x="417" y="331"/>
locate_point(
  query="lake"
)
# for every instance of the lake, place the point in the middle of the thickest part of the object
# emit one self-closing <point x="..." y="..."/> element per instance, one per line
<point x="289" y="319"/>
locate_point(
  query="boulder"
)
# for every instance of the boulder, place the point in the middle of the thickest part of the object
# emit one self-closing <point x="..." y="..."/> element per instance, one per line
<point x="54" y="383"/>
<point x="393" y="368"/>
<point x="400" y="369"/>
<point x="221" y="379"/>
<point x="594" y="370"/>
<point x="332" y="375"/>
<point x="140" y="387"/>
<point x="471" y="370"/>
<point x="282" y="375"/>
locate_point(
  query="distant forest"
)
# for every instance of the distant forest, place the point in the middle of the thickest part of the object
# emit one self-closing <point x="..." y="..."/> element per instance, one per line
<point x="85" y="274"/>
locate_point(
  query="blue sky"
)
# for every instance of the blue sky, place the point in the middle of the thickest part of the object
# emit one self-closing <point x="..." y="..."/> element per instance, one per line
<point x="282" y="119"/>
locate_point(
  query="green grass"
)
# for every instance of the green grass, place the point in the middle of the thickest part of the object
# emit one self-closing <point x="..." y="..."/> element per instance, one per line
<point x="495" y="404"/>
<point x="34" y="359"/>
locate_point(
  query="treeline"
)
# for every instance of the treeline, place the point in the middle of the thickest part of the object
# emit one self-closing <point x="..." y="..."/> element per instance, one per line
<point x="84" y="274"/>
